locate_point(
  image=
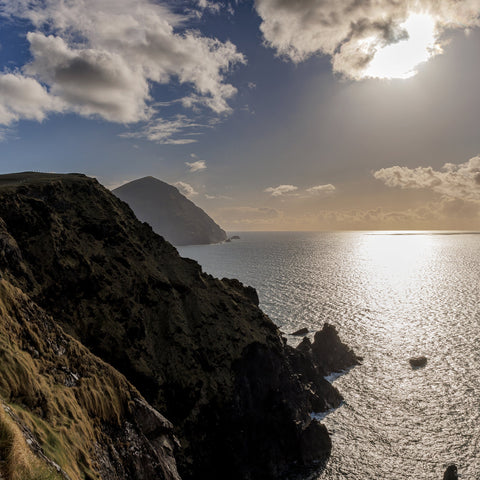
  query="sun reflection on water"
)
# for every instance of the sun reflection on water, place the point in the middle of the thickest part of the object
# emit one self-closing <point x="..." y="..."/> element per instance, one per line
<point x="392" y="270"/>
<point x="391" y="295"/>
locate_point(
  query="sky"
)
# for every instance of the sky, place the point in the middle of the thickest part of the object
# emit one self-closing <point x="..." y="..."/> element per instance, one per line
<point x="268" y="114"/>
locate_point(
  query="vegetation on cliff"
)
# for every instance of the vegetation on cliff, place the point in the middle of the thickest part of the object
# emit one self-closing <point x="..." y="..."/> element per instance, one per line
<point x="198" y="348"/>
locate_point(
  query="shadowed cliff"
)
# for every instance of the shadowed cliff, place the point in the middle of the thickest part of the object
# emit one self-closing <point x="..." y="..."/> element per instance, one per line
<point x="81" y="417"/>
<point x="170" y="213"/>
<point x="198" y="348"/>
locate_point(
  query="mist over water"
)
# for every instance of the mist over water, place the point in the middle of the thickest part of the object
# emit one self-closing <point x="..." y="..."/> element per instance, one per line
<point x="391" y="297"/>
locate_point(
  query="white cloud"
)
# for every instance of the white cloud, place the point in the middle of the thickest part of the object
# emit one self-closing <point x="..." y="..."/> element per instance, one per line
<point x="23" y="97"/>
<point x="101" y="57"/>
<point x="196" y="166"/>
<point x="186" y="189"/>
<point x="210" y="6"/>
<point x="217" y="197"/>
<point x="281" y="190"/>
<point x="321" y="189"/>
<point x="453" y="181"/>
<point x="167" y="132"/>
<point x="352" y="32"/>
<point x="248" y="216"/>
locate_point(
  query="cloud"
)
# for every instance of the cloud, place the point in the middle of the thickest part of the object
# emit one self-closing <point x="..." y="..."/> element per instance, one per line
<point x="248" y="216"/>
<point x="22" y="97"/>
<point x="196" y="166"/>
<point x="186" y="189"/>
<point x="353" y="32"/>
<point x="167" y="132"/>
<point x="210" y="6"/>
<point x="102" y="57"/>
<point x="281" y="190"/>
<point x="89" y="81"/>
<point x="217" y="197"/>
<point x="453" y="181"/>
<point x="321" y="189"/>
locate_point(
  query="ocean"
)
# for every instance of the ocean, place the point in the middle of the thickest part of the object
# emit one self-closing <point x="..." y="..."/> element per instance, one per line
<point x="392" y="296"/>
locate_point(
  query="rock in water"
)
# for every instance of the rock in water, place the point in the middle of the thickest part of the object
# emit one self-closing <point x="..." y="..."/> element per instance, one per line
<point x="328" y="350"/>
<point x="170" y="213"/>
<point x="451" y="473"/>
<point x="199" y="349"/>
<point x="418" y="362"/>
<point x="301" y="332"/>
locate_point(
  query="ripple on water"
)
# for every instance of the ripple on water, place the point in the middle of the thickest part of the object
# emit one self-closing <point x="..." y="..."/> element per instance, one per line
<point x="391" y="297"/>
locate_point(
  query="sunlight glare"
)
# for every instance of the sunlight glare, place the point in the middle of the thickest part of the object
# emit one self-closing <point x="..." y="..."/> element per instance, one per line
<point x="400" y="59"/>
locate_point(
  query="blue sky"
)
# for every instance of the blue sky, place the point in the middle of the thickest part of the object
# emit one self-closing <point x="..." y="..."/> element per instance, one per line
<point x="268" y="114"/>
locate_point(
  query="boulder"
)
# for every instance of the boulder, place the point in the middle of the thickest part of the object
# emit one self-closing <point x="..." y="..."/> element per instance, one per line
<point x="451" y="473"/>
<point x="300" y="333"/>
<point x="418" y="362"/>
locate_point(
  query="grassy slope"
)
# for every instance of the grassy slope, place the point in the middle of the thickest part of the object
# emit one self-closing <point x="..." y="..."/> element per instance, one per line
<point x="37" y="362"/>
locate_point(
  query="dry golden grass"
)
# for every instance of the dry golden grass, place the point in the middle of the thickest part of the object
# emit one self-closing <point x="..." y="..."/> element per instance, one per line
<point x="17" y="462"/>
<point x="36" y="359"/>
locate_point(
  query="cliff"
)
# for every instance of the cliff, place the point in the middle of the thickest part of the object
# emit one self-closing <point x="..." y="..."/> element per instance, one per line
<point x="81" y="417"/>
<point x="170" y="213"/>
<point x="197" y="348"/>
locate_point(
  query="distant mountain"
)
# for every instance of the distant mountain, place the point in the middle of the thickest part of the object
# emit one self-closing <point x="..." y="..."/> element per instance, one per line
<point x="169" y="213"/>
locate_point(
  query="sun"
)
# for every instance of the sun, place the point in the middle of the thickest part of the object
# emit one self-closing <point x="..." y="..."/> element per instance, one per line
<point x="400" y="59"/>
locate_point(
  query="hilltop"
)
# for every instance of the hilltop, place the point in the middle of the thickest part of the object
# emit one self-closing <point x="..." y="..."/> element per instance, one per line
<point x="170" y="213"/>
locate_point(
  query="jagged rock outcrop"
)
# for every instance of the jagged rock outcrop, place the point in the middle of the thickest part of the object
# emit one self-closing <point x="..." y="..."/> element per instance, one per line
<point x="328" y="352"/>
<point x="170" y="213"/>
<point x="198" y="348"/>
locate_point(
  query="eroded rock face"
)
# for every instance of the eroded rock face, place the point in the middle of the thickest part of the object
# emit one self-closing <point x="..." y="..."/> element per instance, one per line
<point x="198" y="348"/>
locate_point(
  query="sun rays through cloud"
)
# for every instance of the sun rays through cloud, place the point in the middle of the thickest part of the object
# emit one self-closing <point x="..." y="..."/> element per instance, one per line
<point x="399" y="60"/>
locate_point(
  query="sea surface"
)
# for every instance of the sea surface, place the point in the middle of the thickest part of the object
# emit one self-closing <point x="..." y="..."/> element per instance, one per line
<point x="391" y="295"/>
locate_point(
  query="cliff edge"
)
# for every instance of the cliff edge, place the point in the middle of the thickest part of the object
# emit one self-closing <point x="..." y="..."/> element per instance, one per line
<point x="198" y="348"/>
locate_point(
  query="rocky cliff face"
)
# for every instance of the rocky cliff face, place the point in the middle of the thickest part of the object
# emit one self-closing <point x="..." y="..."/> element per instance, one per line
<point x="78" y="414"/>
<point x="170" y="213"/>
<point x="198" y="348"/>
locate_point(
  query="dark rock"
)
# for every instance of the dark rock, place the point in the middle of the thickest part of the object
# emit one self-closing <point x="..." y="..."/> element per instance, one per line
<point x="170" y="213"/>
<point x="199" y="349"/>
<point x="328" y="351"/>
<point x="451" y="473"/>
<point x="301" y="332"/>
<point x="313" y="365"/>
<point x="235" y="237"/>
<point x="417" y="362"/>
<point x="315" y="443"/>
